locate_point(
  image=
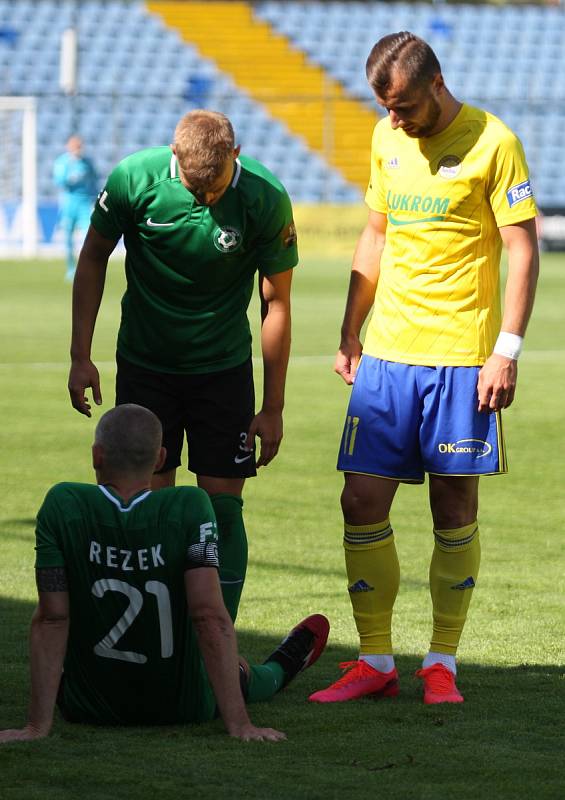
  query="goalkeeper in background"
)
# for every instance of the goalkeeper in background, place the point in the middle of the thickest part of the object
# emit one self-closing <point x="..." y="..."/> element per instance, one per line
<point x="130" y="602"/>
<point x="75" y="176"/>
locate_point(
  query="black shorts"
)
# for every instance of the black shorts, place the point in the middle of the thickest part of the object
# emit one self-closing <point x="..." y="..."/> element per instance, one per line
<point x="214" y="409"/>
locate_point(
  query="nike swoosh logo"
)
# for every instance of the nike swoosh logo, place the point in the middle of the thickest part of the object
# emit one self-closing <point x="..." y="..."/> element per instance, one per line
<point x="159" y="224"/>
<point x="241" y="459"/>
<point x="395" y="221"/>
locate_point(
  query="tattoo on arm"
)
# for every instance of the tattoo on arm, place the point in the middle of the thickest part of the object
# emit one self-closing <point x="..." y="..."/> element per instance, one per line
<point x="51" y="579"/>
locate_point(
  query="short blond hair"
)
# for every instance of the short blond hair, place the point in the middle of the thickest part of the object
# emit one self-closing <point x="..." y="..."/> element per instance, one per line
<point x="203" y="142"/>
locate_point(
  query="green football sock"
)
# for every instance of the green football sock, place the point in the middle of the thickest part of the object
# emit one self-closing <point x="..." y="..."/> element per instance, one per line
<point x="264" y="681"/>
<point x="232" y="548"/>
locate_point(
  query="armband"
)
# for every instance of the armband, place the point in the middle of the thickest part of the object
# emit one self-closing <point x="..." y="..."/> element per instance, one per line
<point x="508" y="345"/>
<point x="202" y="554"/>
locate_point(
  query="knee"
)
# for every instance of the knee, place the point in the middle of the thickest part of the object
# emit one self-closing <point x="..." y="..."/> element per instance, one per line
<point x="349" y="501"/>
<point x="357" y="506"/>
<point x="366" y="500"/>
<point x="450" y="517"/>
<point x="454" y="502"/>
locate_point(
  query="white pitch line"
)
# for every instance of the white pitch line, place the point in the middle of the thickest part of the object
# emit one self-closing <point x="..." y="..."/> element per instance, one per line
<point x="527" y="355"/>
<point x="49" y="364"/>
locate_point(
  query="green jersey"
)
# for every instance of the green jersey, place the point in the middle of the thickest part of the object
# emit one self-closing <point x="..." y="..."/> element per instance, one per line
<point x="189" y="267"/>
<point x="132" y="656"/>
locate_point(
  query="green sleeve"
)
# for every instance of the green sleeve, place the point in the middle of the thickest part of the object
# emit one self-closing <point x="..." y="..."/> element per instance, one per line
<point x="48" y="552"/>
<point x="112" y="211"/>
<point x="201" y="530"/>
<point x="277" y="249"/>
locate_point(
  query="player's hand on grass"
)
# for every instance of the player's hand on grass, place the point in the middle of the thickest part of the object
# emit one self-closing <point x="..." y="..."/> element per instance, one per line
<point x="26" y="734"/>
<point x="84" y="375"/>
<point x="268" y="426"/>
<point x="347" y="359"/>
<point x="249" y="733"/>
<point x="497" y="383"/>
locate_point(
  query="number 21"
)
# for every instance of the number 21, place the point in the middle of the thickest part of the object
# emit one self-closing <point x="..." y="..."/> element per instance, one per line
<point x="106" y="646"/>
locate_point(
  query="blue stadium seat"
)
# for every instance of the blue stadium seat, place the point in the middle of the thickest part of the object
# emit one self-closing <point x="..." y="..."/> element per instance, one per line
<point x="508" y="59"/>
<point x="492" y="56"/>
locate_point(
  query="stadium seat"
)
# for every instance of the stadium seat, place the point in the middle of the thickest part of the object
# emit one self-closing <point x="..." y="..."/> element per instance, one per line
<point x="137" y="77"/>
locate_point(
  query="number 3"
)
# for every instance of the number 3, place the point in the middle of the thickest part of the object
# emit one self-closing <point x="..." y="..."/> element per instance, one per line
<point x="106" y="646"/>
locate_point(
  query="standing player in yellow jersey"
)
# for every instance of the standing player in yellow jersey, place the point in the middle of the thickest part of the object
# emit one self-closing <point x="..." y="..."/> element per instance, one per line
<point x="449" y="185"/>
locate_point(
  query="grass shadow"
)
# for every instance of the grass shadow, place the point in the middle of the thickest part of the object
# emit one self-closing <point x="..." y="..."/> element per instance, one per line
<point x="397" y="747"/>
<point x="13" y="529"/>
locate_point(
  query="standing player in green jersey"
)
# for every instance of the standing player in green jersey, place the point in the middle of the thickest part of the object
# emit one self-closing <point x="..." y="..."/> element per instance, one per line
<point x="198" y="223"/>
<point x="130" y="602"/>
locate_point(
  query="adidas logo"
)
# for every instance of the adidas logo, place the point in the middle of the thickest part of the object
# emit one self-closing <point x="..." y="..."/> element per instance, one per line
<point x="468" y="583"/>
<point x="360" y="586"/>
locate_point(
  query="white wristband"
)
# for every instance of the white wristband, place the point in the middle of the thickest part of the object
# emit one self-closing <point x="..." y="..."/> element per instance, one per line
<point x="508" y="345"/>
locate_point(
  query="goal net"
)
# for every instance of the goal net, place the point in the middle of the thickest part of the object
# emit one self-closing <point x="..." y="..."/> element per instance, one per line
<point x="18" y="176"/>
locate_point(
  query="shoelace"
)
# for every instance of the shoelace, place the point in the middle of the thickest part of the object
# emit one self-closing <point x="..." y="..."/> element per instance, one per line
<point x="364" y="670"/>
<point x="440" y="679"/>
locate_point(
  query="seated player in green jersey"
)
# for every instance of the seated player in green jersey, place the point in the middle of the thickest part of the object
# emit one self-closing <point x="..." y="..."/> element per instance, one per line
<point x="199" y="221"/>
<point x="130" y="626"/>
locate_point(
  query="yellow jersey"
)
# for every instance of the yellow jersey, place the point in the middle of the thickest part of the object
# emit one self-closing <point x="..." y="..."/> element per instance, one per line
<point x="444" y="196"/>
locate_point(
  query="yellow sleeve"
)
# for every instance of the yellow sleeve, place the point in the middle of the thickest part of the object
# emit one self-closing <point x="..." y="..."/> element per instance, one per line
<point x="375" y="195"/>
<point x="510" y="192"/>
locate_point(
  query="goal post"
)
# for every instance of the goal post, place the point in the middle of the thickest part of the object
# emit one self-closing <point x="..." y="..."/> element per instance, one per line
<point x="18" y="173"/>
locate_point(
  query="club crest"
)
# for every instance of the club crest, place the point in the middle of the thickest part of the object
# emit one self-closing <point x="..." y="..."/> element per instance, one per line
<point x="227" y="240"/>
<point x="449" y="167"/>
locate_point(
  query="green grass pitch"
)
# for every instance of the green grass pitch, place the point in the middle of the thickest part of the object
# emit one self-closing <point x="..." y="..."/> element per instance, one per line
<point x="505" y="740"/>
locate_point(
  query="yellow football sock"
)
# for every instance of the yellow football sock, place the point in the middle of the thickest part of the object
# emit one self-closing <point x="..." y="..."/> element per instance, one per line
<point x="453" y="574"/>
<point x="373" y="575"/>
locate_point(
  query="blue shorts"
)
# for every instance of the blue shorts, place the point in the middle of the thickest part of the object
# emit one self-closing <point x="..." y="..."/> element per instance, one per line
<point x="404" y="421"/>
